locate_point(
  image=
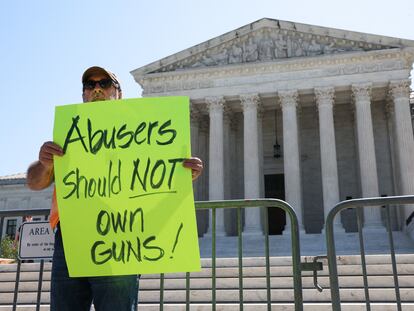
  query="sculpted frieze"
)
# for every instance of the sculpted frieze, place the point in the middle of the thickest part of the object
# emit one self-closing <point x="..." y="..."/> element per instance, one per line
<point x="300" y="69"/>
<point x="267" y="45"/>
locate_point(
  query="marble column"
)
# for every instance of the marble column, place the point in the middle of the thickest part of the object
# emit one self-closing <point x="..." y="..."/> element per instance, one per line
<point x="203" y="148"/>
<point x="366" y="152"/>
<point x="400" y="94"/>
<point x="216" y="163"/>
<point x="291" y="160"/>
<point x="330" y="185"/>
<point x="260" y="114"/>
<point x="194" y="121"/>
<point x="250" y="103"/>
<point x="227" y="119"/>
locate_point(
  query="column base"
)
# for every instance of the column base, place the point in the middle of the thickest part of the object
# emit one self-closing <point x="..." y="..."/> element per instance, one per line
<point x="209" y="234"/>
<point x="338" y="228"/>
<point x="409" y="230"/>
<point x="252" y="232"/>
<point x="374" y="228"/>
<point x="288" y="231"/>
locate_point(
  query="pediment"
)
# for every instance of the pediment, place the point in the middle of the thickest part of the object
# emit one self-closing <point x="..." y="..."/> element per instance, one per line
<point x="270" y="40"/>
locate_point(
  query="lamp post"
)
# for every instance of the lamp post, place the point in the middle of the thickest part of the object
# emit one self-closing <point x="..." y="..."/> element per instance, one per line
<point x="277" y="150"/>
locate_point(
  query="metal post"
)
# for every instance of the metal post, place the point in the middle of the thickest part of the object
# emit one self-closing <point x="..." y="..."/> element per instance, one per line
<point x="39" y="285"/>
<point x="240" y="252"/>
<point x="363" y="262"/>
<point x="16" y="285"/>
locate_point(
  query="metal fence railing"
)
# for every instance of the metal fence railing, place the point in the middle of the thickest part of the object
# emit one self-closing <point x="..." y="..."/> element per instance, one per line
<point x="16" y="213"/>
<point x="239" y="205"/>
<point x="359" y="205"/>
<point x="258" y="203"/>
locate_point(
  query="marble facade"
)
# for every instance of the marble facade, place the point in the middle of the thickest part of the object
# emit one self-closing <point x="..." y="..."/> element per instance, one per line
<point x="339" y="100"/>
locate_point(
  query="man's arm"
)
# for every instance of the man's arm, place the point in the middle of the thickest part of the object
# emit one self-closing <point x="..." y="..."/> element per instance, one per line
<point x="40" y="173"/>
<point x="38" y="176"/>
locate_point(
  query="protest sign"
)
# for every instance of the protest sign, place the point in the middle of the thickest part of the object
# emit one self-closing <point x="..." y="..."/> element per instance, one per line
<point x="125" y="200"/>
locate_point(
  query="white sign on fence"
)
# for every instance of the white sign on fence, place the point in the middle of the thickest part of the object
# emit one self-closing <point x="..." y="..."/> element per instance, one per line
<point x="37" y="240"/>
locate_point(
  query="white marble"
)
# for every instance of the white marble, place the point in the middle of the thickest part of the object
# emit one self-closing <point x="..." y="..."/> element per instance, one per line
<point x="293" y="191"/>
<point x="325" y="101"/>
<point x="250" y="104"/>
<point x="366" y="151"/>
<point x="216" y="168"/>
<point x="399" y="91"/>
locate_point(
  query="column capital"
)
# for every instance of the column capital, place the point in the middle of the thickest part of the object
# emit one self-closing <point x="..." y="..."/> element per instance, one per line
<point x="215" y="103"/>
<point x="324" y="96"/>
<point x="399" y="89"/>
<point x="361" y="92"/>
<point x="249" y="101"/>
<point x="288" y="98"/>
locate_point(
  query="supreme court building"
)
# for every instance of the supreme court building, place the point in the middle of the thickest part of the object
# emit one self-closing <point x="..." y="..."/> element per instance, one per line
<point x="308" y="114"/>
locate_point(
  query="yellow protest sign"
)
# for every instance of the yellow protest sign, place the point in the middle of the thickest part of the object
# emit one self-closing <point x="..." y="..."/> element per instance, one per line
<point x="125" y="200"/>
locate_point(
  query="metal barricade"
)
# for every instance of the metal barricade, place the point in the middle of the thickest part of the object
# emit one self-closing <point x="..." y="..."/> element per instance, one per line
<point x="258" y="203"/>
<point x="359" y="204"/>
<point x="16" y="213"/>
<point x="214" y="205"/>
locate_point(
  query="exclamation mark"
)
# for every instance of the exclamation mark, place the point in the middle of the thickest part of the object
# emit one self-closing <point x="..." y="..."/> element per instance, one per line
<point x="176" y="239"/>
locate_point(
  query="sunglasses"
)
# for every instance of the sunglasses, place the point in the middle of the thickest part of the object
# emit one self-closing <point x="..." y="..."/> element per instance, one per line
<point x="104" y="84"/>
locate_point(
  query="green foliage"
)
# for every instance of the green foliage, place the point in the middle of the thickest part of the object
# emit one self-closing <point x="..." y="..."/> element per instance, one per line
<point x="8" y="248"/>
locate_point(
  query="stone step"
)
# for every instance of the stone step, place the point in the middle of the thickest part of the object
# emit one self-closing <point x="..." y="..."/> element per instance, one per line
<point x="251" y="262"/>
<point x="251" y="296"/>
<point x="233" y="283"/>
<point x="277" y="295"/>
<point x="380" y="269"/>
<point x="248" y="307"/>
<point x="254" y="282"/>
<point x="310" y="244"/>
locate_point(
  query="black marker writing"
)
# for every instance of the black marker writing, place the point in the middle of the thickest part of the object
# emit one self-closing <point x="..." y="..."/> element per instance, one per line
<point x="119" y="137"/>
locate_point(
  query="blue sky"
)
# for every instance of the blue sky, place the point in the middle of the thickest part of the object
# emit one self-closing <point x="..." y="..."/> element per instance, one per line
<point x="46" y="45"/>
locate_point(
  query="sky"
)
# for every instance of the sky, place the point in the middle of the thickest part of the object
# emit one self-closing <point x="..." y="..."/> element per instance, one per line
<point x="46" y="45"/>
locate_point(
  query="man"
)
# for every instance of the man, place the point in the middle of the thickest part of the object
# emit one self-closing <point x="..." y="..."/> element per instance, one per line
<point x="76" y="294"/>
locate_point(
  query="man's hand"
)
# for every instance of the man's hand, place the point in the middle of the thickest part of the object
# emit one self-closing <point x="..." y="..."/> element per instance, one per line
<point x="46" y="153"/>
<point x="40" y="173"/>
<point x="196" y="166"/>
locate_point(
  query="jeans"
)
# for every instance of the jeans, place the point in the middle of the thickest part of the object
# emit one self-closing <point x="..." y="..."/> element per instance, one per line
<point x="108" y="293"/>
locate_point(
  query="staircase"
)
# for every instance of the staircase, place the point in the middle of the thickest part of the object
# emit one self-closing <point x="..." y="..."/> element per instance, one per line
<point x="381" y="285"/>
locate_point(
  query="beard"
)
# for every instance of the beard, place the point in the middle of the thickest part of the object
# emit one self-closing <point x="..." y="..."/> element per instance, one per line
<point x="97" y="95"/>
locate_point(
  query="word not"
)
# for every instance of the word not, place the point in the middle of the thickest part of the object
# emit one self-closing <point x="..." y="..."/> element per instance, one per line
<point x="103" y="186"/>
<point x="157" y="173"/>
<point x="119" y="137"/>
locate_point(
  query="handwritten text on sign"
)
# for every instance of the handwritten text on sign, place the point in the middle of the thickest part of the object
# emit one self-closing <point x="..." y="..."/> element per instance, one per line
<point x="125" y="200"/>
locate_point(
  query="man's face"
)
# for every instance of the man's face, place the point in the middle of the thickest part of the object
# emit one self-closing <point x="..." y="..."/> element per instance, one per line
<point x="99" y="93"/>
